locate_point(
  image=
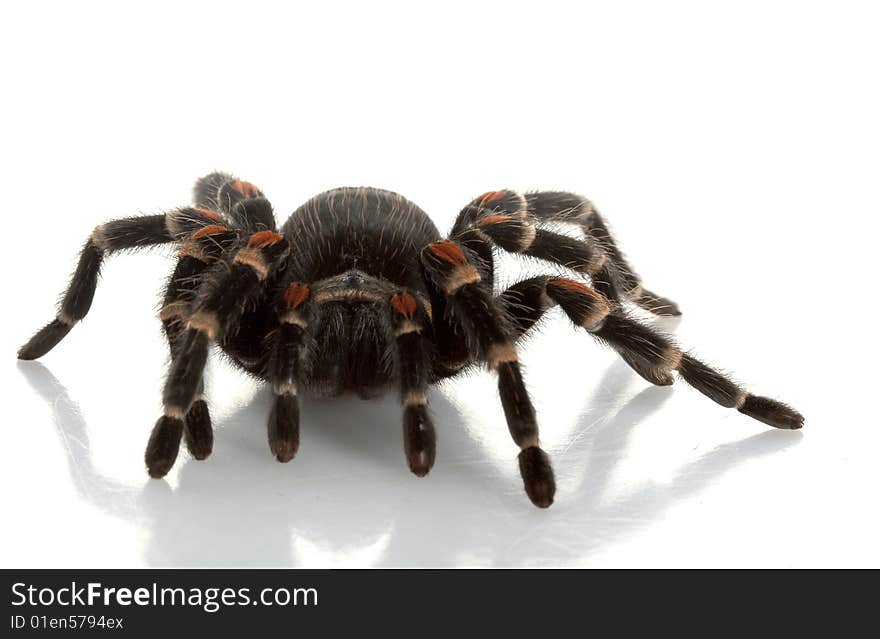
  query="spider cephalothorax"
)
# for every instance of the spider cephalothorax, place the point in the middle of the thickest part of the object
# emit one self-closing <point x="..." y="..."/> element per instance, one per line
<point x="358" y="292"/>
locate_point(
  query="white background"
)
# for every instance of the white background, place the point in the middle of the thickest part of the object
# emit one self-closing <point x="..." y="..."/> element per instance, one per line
<point x="734" y="150"/>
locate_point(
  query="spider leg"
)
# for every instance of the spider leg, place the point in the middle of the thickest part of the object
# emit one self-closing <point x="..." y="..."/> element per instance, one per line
<point x="570" y="207"/>
<point x="650" y="353"/>
<point x="118" y="235"/>
<point x="452" y="270"/>
<point x="196" y="254"/>
<point x="507" y="218"/>
<point x="283" y="371"/>
<point x="409" y="319"/>
<point x="126" y="233"/>
<point x="242" y="202"/>
<point x="247" y="208"/>
<point x="220" y="299"/>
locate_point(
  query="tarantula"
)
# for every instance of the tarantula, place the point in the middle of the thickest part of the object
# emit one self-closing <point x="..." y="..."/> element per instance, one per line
<point x="359" y="292"/>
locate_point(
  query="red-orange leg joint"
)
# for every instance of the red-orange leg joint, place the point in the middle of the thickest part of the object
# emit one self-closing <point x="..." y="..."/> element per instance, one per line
<point x="573" y="286"/>
<point x="487" y="198"/>
<point x="494" y="219"/>
<point x="262" y="239"/>
<point x="448" y="252"/>
<point x="214" y="215"/>
<point x="584" y="306"/>
<point x="214" y="229"/>
<point x="405" y="304"/>
<point x="244" y="188"/>
<point x="295" y="295"/>
<point x="197" y="249"/>
<point x="405" y="307"/>
<point x="261" y="252"/>
<point x="449" y="266"/>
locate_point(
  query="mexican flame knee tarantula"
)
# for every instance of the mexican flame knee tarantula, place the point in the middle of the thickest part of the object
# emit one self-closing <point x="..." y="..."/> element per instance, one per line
<point x="358" y="292"/>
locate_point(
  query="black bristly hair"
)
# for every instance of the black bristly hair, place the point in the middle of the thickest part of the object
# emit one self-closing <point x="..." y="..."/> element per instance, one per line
<point x="358" y="292"/>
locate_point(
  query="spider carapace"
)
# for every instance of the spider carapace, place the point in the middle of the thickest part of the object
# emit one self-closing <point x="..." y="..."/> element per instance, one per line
<point x="358" y="292"/>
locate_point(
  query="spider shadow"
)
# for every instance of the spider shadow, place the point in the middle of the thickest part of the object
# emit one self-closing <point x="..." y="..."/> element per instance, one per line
<point x="348" y="499"/>
<point x="241" y="507"/>
<point x="504" y="533"/>
<point x="603" y="514"/>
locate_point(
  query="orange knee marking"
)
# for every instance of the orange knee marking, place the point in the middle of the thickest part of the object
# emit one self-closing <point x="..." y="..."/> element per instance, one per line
<point x="244" y="188"/>
<point x="405" y="304"/>
<point x="493" y="219"/>
<point x="264" y="238"/>
<point x="448" y="252"/>
<point x="214" y="229"/>
<point x="214" y="215"/>
<point x="571" y="285"/>
<point x="491" y="196"/>
<point x="295" y="295"/>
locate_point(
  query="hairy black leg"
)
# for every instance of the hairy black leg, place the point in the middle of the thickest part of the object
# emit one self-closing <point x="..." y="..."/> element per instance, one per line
<point x="219" y="302"/>
<point x="490" y="336"/>
<point x="190" y="349"/>
<point x="197" y="429"/>
<point x="198" y="229"/>
<point x="163" y="445"/>
<point x="206" y="191"/>
<point x="525" y="303"/>
<point x="502" y="218"/>
<point x="220" y="299"/>
<point x="123" y="234"/>
<point x="503" y="202"/>
<point x="197" y="252"/>
<point x="656" y="355"/>
<point x="241" y="201"/>
<point x="513" y="230"/>
<point x="127" y="233"/>
<point x="409" y="322"/>
<point x="284" y="372"/>
<point x="507" y="219"/>
<point x="650" y="353"/>
<point x="569" y="207"/>
<point x="248" y="210"/>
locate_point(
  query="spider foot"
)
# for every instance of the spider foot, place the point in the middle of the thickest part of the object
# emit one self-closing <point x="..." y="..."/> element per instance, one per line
<point x="163" y="446"/>
<point x="44" y="340"/>
<point x="284" y="428"/>
<point x="771" y="412"/>
<point x="198" y="434"/>
<point x="537" y="474"/>
<point x="419" y="440"/>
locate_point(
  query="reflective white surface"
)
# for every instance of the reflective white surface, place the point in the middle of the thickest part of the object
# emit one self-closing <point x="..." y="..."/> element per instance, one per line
<point x="749" y="196"/>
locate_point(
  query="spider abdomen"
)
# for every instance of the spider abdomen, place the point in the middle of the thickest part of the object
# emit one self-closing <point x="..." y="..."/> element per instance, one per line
<point x="370" y="230"/>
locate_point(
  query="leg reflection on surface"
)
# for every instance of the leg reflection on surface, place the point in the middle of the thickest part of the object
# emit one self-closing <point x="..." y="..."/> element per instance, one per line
<point x="348" y="498"/>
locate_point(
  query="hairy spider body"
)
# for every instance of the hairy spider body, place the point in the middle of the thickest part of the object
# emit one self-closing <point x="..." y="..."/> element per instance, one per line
<point x="358" y="292"/>
<point x="363" y="246"/>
